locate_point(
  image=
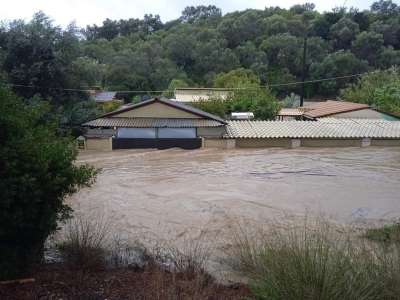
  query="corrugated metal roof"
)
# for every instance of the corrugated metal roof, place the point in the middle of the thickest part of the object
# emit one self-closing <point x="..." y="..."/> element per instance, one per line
<point x="104" y="96"/>
<point x="331" y="107"/>
<point x="152" y="123"/>
<point x="325" y="128"/>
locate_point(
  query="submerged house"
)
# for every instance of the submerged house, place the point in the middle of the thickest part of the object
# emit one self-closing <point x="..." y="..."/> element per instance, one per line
<point x="155" y="123"/>
<point x="162" y="123"/>
<point x="334" y="109"/>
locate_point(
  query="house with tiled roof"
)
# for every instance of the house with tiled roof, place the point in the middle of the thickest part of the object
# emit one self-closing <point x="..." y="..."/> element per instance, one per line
<point x="163" y="123"/>
<point x="335" y="109"/>
<point x="155" y="123"/>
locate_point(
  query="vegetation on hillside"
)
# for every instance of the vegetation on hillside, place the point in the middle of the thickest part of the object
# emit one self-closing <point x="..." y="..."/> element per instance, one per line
<point x="40" y="59"/>
<point x="196" y="48"/>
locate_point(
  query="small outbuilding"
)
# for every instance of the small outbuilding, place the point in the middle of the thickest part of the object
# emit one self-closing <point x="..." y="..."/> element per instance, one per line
<point x="156" y="123"/>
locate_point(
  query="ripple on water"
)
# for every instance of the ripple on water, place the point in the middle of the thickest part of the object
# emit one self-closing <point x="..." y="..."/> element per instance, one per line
<point x="189" y="188"/>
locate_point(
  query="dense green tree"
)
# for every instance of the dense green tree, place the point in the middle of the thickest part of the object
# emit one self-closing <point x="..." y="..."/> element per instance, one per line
<point x="260" y="101"/>
<point x="385" y="8"/>
<point x="143" y="54"/>
<point x="320" y="26"/>
<point x="389" y="58"/>
<point x="41" y="59"/>
<point x="247" y="26"/>
<point x="362" y="18"/>
<point x="193" y="14"/>
<point x="250" y="56"/>
<point x="343" y="33"/>
<point x="284" y="51"/>
<point x="215" y="106"/>
<point x="37" y="172"/>
<point x="180" y="47"/>
<point x="390" y="29"/>
<point x="379" y="89"/>
<point x="151" y="23"/>
<point x="276" y="24"/>
<point x="239" y="78"/>
<point x="368" y="46"/>
<point x="341" y="63"/>
<point x="302" y="8"/>
<point x="88" y="72"/>
<point x="109" y="30"/>
<point x="174" y="84"/>
<point x="32" y="57"/>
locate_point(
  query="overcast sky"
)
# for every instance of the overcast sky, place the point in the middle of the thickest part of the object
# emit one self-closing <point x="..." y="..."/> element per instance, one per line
<point x="86" y="12"/>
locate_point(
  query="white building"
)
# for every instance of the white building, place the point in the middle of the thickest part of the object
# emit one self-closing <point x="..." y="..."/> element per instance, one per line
<point x="199" y="94"/>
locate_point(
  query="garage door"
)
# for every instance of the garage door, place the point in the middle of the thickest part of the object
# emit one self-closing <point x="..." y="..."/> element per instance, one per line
<point x="161" y="138"/>
<point x="137" y="133"/>
<point x="177" y="133"/>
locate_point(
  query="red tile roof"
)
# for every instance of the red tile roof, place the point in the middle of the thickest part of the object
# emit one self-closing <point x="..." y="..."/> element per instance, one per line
<point x="331" y="107"/>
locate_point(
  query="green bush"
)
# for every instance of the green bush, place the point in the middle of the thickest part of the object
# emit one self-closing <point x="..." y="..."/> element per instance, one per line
<point x="111" y="106"/>
<point x="37" y="172"/>
<point x="216" y="106"/>
<point x="260" y="101"/>
<point x="379" y="89"/>
<point x="257" y="100"/>
<point x="388" y="233"/>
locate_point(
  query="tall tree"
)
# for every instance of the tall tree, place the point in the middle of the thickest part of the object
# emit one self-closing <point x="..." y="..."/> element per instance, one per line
<point x="343" y="33"/>
<point x="194" y="14"/>
<point x="37" y="172"/>
<point x="368" y="46"/>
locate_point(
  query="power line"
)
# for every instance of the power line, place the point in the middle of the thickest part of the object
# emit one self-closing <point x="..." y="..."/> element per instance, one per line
<point x="212" y="89"/>
<point x="320" y="80"/>
<point x="77" y="90"/>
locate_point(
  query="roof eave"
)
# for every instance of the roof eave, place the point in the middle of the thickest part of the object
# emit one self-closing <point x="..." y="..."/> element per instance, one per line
<point x="150" y="101"/>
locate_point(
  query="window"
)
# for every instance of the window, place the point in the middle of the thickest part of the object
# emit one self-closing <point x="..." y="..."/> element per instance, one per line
<point x="177" y="133"/>
<point x="137" y="133"/>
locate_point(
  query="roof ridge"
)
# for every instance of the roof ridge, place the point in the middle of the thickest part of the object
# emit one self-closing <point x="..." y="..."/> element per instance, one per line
<point x="169" y="102"/>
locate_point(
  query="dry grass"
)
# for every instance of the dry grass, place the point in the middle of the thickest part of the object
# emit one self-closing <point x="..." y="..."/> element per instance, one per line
<point x="315" y="261"/>
<point x="85" y="243"/>
<point x="58" y="282"/>
<point x="98" y="264"/>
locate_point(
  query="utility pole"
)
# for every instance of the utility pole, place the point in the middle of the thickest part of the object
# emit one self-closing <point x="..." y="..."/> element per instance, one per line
<point x="304" y="71"/>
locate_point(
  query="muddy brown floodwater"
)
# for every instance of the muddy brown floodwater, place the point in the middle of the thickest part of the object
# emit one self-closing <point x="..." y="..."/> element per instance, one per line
<point x="171" y="192"/>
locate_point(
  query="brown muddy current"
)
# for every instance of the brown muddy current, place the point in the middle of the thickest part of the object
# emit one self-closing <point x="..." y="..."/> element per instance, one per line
<point x="171" y="192"/>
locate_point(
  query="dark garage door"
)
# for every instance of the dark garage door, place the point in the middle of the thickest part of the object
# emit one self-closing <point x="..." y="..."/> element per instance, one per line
<point x="132" y="143"/>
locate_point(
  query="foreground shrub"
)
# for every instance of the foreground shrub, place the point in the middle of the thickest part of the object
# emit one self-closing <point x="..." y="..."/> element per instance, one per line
<point x="36" y="174"/>
<point x="86" y="243"/>
<point x="315" y="262"/>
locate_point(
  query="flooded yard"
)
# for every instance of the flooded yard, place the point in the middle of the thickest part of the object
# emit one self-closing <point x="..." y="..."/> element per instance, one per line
<point x="172" y="192"/>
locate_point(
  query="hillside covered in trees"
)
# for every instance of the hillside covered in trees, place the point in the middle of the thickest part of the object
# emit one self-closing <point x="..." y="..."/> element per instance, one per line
<point x="41" y="59"/>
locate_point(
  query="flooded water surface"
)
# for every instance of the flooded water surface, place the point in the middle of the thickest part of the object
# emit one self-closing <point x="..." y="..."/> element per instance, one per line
<point x="172" y="191"/>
